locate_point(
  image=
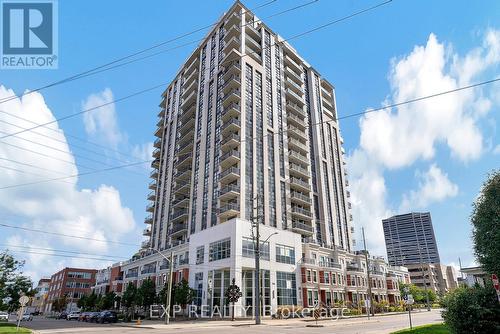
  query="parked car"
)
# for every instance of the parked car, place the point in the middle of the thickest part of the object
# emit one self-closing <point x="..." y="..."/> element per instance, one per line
<point x="62" y="315"/>
<point x="4" y="316"/>
<point x="73" y="316"/>
<point x="92" y="317"/>
<point x="107" y="316"/>
<point x="26" y="317"/>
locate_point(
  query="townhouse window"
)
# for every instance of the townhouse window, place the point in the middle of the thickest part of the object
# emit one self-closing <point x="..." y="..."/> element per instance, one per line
<point x="315" y="276"/>
<point x="285" y="254"/>
<point x="328" y="297"/>
<point x="308" y="275"/>
<point x="219" y="250"/>
<point x="200" y="255"/>
<point x="286" y="288"/>
<point x="326" y="278"/>
<point x="334" y="278"/>
<point x="309" y="298"/>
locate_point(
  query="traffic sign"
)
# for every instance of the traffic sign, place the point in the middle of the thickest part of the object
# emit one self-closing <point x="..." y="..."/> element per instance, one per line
<point x="24" y="300"/>
<point x="409" y="300"/>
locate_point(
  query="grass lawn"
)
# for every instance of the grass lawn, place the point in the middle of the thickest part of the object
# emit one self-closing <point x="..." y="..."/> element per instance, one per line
<point x="11" y="328"/>
<point x="426" y="329"/>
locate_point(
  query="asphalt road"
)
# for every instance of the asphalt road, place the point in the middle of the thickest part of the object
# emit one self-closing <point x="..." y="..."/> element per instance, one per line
<point x="379" y="324"/>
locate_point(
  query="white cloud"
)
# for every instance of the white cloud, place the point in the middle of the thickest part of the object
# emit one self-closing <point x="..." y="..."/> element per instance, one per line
<point x="143" y="151"/>
<point x="102" y="122"/>
<point x="496" y="150"/>
<point x="54" y="206"/>
<point x="396" y="138"/>
<point x="434" y="186"/>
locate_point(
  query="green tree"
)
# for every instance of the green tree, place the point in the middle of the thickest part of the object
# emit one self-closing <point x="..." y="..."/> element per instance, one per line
<point x="12" y="282"/>
<point x="129" y="297"/>
<point x="108" y="301"/>
<point x="59" y="305"/>
<point x="146" y="294"/>
<point x="183" y="294"/>
<point x="485" y="220"/>
<point x="82" y="303"/>
<point x="472" y="310"/>
<point x="91" y="302"/>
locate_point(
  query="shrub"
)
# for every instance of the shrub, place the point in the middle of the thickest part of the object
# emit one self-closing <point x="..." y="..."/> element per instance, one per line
<point x="436" y="305"/>
<point x="472" y="310"/>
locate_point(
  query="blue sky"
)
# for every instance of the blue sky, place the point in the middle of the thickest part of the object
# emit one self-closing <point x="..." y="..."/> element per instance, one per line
<point x="359" y="56"/>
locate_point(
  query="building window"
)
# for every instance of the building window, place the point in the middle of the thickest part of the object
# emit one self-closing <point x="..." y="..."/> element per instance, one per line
<point x="315" y="276"/>
<point x="248" y="249"/>
<point x="334" y="278"/>
<point x="220" y="250"/>
<point x="78" y="274"/>
<point x="326" y="278"/>
<point x="286" y="288"/>
<point x="285" y="254"/>
<point x="200" y="255"/>
<point x="309" y="298"/>
<point x="308" y="275"/>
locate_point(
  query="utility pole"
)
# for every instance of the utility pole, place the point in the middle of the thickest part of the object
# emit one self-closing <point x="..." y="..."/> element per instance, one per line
<point x="257" y="265"/>
<point x="368" y="276"/>
<point x="169" y="290"/>
<point x="423" y="277"/>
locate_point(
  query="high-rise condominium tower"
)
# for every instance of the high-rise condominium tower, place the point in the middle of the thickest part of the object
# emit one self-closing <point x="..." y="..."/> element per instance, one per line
<point x="248" y="134"/>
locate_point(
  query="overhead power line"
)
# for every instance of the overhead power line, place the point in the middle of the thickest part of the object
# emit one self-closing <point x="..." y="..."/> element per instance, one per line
<point x="62" y="255"/>
<point x="286" y="130"/>
<point x="164" y="84"/>
<point x="60" y="251"/>
<point x="67" y="235"/>
<point x="100" y="68"/>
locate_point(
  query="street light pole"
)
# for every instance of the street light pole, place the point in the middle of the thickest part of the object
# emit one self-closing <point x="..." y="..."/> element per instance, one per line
<point x="367" y="275"/>
<point x="169" y="288"/>
<point x="257" y="265"/>
<point x="423" y="277"/>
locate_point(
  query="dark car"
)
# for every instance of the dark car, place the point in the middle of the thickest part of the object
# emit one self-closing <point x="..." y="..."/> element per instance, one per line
<point x="107" y="316"/>
<point x="92" y="317"/>
<point x="62" y="315"/>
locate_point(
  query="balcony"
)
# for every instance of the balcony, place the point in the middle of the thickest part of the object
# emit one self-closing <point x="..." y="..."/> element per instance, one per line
<point x="231" y="111"/>
<point x="156" y="153"/>
<point x="178" y="229"/>
<point x="252" y="31"/>
<point x="152" y="185"/>
<point x="132" y="274"/>
<point x="184" y="175"/>
<point x="152" y="195"/>
<point x="229" y="158"/>
<point x="301" y="228"/>
<point x="187" y="126"/>
<point x="301" y="213"/>
<point x="229" y="210"/>
<point x="188" y="112"/>
<point x="146" y="232"/>
<point x="150" y="270"/>
<point x="184" y="161"/>
<point x="297" y="157"/>
<point x="190" y="77"/>
<point x="296" y="121"/>
<point x="188" y="100"/>
<point x="150" y="207"/>
<point x="296" y="132"/>
<point x="294" y="86"/>
<point x="145" y="244"/>
<point x="179" y="215"/>
<point x="182" y="188"/>
<point x="234" y="31"/>
<point x="154" y="174"/>
<point x="229" y="175"/>
<point x="230" y="191"/>
<point x="327" y="104"/>
<point x="306" y="260"/>
<point x="299" y="184"/>
<point x="293" y="64"/>
<point x="233" y="96"/>
<point x="193" y="86"/>
<point x="234" y="68"/>
<point x="148" y="220"/>
<point x="299" y="197"/>
<point x="157" y="143"/>
<point x="155" y="163"/>
<point x="334" y="265"/>
<point x="233" y="19"/>
<point x="232" y="82"/>
<point x="182" y="202"/>
<point x="299" y="110"/>
<point x="192" y="67"/>
<point x="294" y="75"/>
<point x="230" y="141"/>
<point x="161" y="113"/>
<point x="232" y="125"/>
<point x="233" y="43"/>
<point x="185" y="148"/>
<point x="297" y="145"/>
<point x="294" y="97"/>
<point x="159" y="132"/>
<point x="254" y="44"/>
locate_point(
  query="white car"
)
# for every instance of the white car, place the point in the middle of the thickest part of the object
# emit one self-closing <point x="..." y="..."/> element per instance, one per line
<point x="73" y="316"/>
<point x="27" y="317"/>
<point x="4" y="316"/>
